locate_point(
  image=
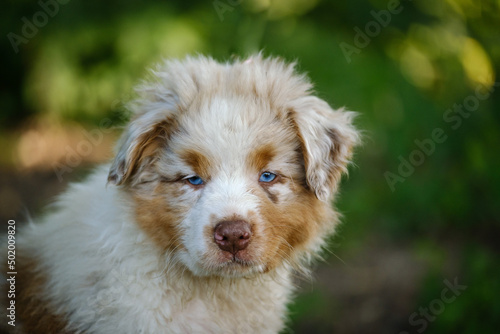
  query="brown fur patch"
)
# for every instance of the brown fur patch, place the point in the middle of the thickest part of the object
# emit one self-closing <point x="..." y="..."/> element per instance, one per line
<point x="260" y="158"/>
<point x="158" y="218"/>
<point x="33" y="313"/>
<point x="200" y="163"/>
<point x="289" y="228"/>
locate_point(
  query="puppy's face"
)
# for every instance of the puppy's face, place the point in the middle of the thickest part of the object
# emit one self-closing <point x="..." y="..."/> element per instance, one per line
<point x="229" y="174"/>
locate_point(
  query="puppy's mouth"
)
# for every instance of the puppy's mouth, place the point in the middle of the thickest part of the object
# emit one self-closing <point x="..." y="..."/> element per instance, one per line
<point x="236" y="260"/>
<point x="237" y="268"/>
<point x="234" y="265"/>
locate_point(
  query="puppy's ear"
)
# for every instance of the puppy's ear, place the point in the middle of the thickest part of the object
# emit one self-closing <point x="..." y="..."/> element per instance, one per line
<point x="169" y="90"/>
<point x="328" y="137"/>
<point x="138" y="145"/>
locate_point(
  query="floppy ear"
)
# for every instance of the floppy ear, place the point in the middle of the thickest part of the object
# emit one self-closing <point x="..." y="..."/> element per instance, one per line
<point x="328" y="137"/>
<point x="138" y="145"/>
<point x="170" y="90"/>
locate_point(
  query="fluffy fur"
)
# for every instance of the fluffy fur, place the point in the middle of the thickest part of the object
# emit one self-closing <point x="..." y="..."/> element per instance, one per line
<point x="132" y="249"/>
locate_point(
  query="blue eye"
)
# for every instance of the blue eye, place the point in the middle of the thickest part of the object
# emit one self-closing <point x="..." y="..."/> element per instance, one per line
<point x="267" y="177"/>
<point x="195" y="180"/>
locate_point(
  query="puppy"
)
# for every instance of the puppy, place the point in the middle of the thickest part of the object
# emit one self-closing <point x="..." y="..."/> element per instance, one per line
<point x="220" y="189"/>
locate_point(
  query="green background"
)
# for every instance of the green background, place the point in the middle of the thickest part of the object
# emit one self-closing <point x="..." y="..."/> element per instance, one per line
<point x="421" y="204"/>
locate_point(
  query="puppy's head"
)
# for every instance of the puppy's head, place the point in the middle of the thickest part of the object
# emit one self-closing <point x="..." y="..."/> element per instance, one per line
<point x="231" y="167"/>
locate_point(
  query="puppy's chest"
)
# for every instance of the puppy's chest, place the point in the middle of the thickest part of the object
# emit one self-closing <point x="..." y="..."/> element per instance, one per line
<point x="142" y="307"/>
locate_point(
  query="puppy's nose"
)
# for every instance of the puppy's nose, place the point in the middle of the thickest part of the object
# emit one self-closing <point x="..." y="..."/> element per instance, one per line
<point x="232" y="236"/>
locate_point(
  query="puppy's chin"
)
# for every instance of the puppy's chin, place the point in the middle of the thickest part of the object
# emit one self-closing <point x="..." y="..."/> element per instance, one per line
<point x="222" y="266"/>
<point x="235" y="269"/>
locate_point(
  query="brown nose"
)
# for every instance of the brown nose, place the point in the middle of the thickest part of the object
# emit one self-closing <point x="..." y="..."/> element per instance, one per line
<point x="232" y="236"/>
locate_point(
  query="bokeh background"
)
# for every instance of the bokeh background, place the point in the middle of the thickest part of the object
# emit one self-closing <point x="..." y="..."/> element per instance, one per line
<point x="421" y="205"/>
